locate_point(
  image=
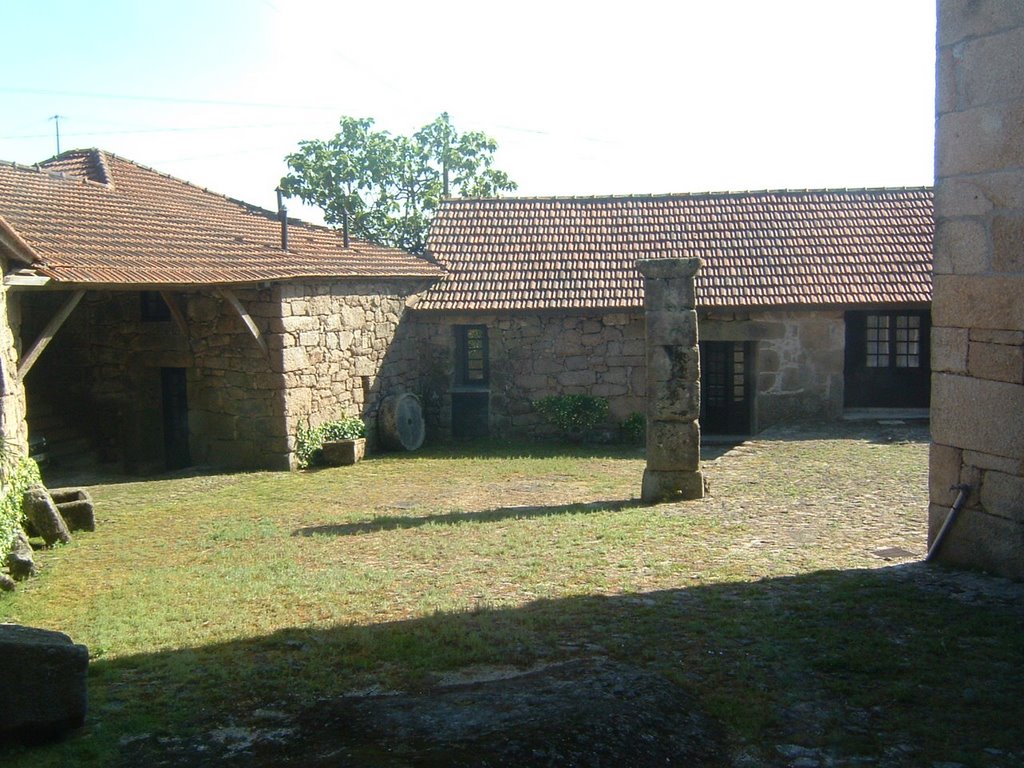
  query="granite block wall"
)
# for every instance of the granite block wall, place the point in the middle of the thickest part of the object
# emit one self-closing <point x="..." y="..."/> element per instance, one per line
<point x="978" y="302"/>
<point x="799" y="366"/>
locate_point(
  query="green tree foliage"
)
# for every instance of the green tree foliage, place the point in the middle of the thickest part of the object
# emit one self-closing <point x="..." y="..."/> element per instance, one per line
<point x="390" y="186"/>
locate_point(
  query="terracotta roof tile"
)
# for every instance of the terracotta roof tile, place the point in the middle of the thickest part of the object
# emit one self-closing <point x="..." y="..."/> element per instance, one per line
<point x="780" y="248"/>
<point x="94" y="218"/>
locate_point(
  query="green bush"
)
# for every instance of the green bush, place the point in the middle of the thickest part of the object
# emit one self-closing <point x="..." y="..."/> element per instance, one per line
<point x="310" y="440"/>
<point x="17" y="473"/>
<point x="572" y="415"/>
<point x="634" y="427"/>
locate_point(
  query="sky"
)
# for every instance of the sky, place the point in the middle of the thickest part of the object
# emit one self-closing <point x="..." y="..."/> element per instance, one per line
<point x="583" y="98"/>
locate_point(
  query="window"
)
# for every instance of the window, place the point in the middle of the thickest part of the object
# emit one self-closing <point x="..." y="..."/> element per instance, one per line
<point x="893" y="340"/>
<point x="878" y="341"/>
<point x="153" y="307"/>
<point x="472" y="355"/>
<point x="908" y="341"/>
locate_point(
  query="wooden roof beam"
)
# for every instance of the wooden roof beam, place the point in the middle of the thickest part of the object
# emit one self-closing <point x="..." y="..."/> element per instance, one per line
<point x="29" y="359"/>
<point x="243" y="313"/>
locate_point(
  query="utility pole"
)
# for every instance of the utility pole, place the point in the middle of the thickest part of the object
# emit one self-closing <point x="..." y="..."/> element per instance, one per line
<point x="56" y="123"/>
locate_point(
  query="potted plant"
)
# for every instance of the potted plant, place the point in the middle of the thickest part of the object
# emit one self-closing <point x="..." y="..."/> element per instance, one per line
<point x="334" y="443"/>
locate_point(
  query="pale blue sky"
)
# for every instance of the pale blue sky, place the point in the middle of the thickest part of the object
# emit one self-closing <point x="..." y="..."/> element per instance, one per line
<point x="583" y="98"/>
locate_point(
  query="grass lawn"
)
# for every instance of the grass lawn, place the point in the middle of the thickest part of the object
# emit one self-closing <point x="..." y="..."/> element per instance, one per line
<point x="206" y="599"/>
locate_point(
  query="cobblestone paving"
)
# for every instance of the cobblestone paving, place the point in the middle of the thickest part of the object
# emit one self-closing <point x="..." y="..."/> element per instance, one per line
<point x="842" y="498"/>
<point x="846" y="494"/>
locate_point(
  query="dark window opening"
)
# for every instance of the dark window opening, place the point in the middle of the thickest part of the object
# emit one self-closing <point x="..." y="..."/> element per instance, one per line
<point x="153" y="307"/>
<point x="473" y="355"/>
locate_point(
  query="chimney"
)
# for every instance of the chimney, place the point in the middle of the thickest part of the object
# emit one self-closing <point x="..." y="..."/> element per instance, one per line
<point x="344" y="223"/>
<point x="282" y="216"/>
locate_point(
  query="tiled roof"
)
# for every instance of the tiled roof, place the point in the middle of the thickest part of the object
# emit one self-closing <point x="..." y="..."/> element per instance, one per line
<point x="760" y="249"/>
<point x="94" y="218"/>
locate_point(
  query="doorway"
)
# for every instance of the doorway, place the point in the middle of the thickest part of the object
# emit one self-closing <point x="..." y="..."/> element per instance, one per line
<point x="174" y="396"/>
<point x="726" y="392"/>
<point x="888" y="361"/>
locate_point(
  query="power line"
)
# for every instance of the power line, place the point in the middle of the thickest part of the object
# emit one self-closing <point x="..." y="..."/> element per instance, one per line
<point x="163" y="99"/>
<point x="193" y="129"/>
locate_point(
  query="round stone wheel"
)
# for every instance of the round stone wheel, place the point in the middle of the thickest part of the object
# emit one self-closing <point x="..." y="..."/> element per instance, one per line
<point x="400" y="422"/>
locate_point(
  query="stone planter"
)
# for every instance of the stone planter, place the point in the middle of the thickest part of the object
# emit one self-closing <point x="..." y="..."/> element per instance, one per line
<point x="339" y="453"/>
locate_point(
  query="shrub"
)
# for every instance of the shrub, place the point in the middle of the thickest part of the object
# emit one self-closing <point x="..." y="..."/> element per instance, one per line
<point x="17" y="473"/>
<point x="572" y="415"/>
<point x="310" y="440"/>
<point x="634" y="427"/>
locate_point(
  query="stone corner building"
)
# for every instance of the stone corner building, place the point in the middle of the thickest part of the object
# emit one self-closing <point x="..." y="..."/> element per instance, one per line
<point x="978" y="335"/>
<point x="156" y="324"/>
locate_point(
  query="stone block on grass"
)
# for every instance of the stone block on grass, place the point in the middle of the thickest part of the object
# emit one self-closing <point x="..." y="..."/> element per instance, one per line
<point x="44" y="517"/>
<point x="76" y="507"/>
<point x="42" y="682"/>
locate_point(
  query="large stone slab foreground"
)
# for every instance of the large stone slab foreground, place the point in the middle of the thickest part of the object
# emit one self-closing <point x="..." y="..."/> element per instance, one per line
<point x="42" y="682"/>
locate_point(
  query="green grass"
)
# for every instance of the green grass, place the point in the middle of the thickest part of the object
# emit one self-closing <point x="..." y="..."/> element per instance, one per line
<point x="203" y="599"/>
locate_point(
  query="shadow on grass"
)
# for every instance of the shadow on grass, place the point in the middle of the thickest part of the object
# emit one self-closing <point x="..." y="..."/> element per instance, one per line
<point x="398" y="522"/>
<point x="880" y="664"/>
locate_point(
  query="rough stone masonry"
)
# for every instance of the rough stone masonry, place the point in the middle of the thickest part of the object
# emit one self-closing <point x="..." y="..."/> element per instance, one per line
<point x="977" y="312"/>
<point x="673" y="381"/>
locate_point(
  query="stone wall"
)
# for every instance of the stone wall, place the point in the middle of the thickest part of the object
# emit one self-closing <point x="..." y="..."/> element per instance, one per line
<point x="334" y="349"/>
<point x="343" y="347"/>
<point x="978" y="300"/>
<point x="799" y="363"/>
<point x="532" y="356"/>
<point x="13" y="427"/>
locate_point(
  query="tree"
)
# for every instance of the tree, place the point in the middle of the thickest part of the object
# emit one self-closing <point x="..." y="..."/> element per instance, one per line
<point x="388" y="187"/>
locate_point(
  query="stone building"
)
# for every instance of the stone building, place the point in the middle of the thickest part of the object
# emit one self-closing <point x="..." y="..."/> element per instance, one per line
<point x="810" y="303"/>
<point x="978" y="334"/>
<point x="157" y="324"/>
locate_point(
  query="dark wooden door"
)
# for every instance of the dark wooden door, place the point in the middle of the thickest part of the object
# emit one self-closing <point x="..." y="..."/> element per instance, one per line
<point x="887" y="362"/>
<point x="470" y="414"/>
<point x="726" y="391"/>
<point x="174" y="392"/>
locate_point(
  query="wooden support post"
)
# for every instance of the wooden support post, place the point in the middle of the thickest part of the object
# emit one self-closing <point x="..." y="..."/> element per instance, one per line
<point x="247" y="319"/>
<point x="29" y="359"/>
<point x="179" y="317"/>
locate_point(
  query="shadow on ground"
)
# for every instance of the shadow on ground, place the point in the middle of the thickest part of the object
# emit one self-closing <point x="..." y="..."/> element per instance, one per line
<point x="900" y="666"/>
<point x="396" y="522"/>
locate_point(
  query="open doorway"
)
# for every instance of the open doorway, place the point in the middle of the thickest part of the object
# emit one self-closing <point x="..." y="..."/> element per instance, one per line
<point x="174" y="397"/>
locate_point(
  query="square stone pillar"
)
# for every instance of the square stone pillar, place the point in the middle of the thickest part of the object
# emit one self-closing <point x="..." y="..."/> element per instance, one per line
<point x="673" y="381"/>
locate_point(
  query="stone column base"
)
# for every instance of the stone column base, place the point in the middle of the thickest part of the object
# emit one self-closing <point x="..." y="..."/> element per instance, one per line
<point x="663" y="485"/>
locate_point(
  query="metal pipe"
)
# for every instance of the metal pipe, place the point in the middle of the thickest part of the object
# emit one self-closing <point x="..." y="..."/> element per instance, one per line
<point x="282" y="216"/>
<point x="961" y="499"/>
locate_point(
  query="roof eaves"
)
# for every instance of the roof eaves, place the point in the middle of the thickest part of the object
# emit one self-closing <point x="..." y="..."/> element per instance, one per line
<point x="16" y="245"/>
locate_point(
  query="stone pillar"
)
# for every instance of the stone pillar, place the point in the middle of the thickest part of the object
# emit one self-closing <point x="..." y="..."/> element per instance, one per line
<point x="977" y="406"/>
<point x="673" y="381"/>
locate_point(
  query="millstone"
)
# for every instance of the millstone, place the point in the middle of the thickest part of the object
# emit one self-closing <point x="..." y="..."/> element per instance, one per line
<point x="400" y="422"/>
